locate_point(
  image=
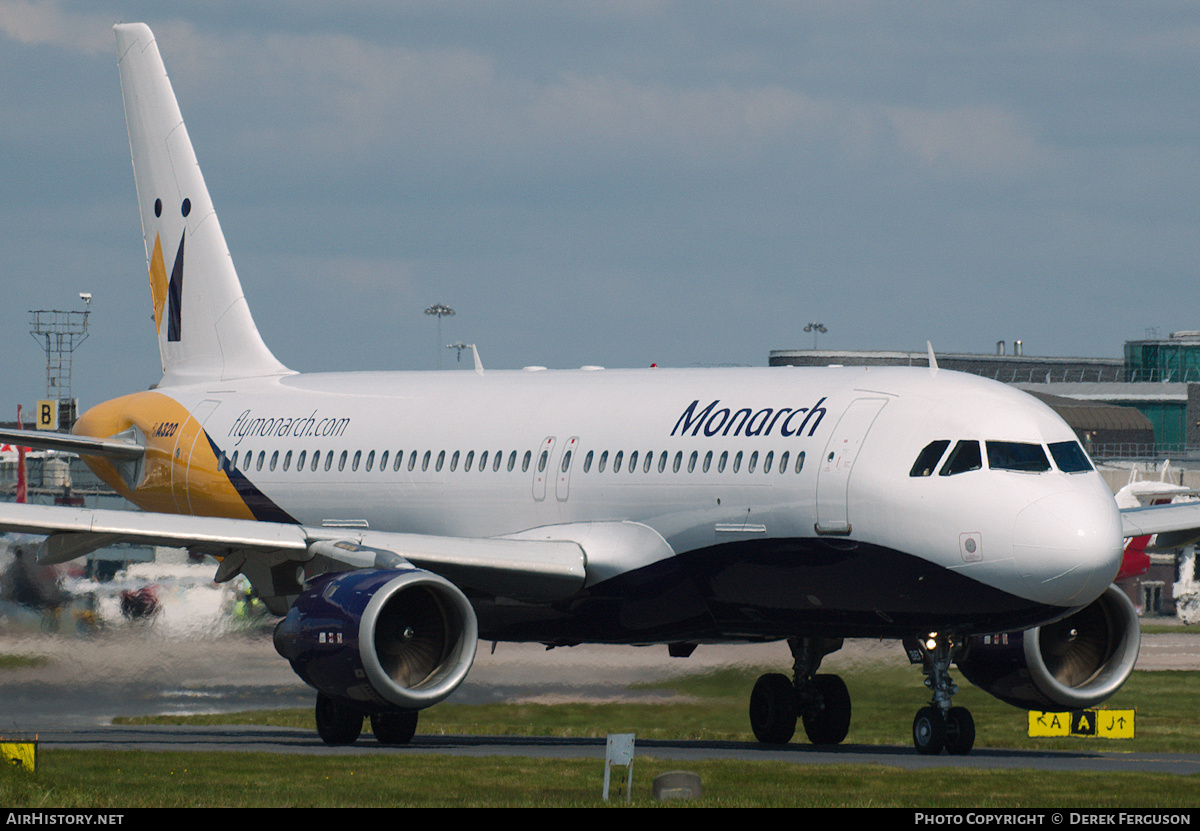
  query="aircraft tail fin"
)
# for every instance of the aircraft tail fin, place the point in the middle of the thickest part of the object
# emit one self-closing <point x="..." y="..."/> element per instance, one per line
<point x="205" y="330"/>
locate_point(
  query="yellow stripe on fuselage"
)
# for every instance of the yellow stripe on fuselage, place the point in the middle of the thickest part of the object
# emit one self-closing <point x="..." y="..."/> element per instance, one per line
<point x="181" y="474"/>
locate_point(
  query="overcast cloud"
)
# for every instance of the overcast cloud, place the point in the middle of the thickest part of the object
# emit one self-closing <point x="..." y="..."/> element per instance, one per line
<point x="619" y="183"/>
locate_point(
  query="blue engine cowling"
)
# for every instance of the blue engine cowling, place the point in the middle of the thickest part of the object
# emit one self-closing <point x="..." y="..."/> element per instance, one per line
<point x="381" y="638"/>
<point x="1072" y="664"/>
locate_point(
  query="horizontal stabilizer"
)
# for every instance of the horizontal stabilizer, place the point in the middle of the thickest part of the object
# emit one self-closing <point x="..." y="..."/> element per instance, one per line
<point x="114" y="449"/>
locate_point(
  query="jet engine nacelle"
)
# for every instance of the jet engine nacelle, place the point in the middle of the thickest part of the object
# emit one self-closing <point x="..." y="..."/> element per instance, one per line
<point x="381" y="639"/>
<point x="1071" y="664"/>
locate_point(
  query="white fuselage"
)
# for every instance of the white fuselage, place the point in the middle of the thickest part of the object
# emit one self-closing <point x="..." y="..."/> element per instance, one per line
<point x="797" y="481"/>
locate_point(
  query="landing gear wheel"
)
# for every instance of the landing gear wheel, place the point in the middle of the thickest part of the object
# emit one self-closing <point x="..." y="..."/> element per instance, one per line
<point x="960" y="731"/>
<point x="394" y="728"/>
<point x="773" y="709"/>
<point x="929" y="731"/>
<point x="337" y="723"/>
<point x="827" y="719"/>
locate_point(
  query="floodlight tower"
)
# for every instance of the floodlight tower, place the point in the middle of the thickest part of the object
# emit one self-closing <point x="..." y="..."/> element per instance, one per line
<point x="60" y="333"/>
<point x="439" y="310"/>
<point x="816" y="329"/>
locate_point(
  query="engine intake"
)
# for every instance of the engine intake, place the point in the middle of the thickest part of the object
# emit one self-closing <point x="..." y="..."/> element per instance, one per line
<point x="1071" y="664"/>
<point x="381" y="638"/>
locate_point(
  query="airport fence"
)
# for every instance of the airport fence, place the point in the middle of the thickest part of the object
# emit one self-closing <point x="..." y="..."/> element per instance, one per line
<point x="1162" y="376"/>
<point x="1109" y="451"/>
<point x="52" y="474"/>
<point x="1044" y="375"/>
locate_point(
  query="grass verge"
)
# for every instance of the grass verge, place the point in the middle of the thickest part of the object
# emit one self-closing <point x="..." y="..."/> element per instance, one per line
<point x="126" y="779"/>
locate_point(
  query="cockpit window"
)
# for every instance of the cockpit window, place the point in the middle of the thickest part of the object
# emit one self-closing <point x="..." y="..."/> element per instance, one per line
<point x="926" y="463"/>
<point x="964" y="457"/>
<point x="1069" y="457"/>
<point x="1011" y="455"/>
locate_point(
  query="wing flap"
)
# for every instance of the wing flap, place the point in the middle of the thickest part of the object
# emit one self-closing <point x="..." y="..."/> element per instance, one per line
<point x="537" y="571"/>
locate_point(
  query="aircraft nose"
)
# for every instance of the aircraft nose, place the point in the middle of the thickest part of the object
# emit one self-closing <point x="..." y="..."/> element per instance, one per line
<point x="1068" y="547"/>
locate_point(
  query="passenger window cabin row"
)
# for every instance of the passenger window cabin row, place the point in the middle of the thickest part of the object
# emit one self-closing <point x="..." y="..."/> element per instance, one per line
<point x="676" y="463"/>
<point x="615" y="462"/>
<point x="314" y="463"/>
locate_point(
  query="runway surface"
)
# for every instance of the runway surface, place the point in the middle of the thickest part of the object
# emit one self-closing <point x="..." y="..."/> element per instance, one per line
<point x="69" y="700"/>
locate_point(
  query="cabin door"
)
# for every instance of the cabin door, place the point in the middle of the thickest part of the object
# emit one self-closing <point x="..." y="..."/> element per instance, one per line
<point x="837" y="463"/>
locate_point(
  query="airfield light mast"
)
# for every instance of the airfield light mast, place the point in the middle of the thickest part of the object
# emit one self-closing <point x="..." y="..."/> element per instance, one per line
<point x="440" y="310"/>
<point x="60" y="333"/>
<point x="816" y="329"/>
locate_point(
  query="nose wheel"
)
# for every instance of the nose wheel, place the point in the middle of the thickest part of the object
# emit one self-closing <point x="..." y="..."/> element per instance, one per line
<point x="929" y="731"/>
<point x="960" y="731"/>
<point x="952" y="731"/>
<point x="941" y="726"/>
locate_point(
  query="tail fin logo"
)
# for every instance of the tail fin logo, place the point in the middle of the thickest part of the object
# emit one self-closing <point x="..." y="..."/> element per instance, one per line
<point x="164" y="292"/>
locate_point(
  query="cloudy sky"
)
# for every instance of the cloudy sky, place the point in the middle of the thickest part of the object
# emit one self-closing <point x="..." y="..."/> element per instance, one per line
<point x="618" y="183"/>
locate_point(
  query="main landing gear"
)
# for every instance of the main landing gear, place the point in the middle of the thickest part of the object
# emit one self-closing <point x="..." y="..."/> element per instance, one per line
<point x="940" y="726"/>
<point x="341" y="724"/>
<point x="821" y="702"/>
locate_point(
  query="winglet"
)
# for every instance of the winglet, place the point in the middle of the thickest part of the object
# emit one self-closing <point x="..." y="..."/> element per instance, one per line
<point x="933" y="367"/>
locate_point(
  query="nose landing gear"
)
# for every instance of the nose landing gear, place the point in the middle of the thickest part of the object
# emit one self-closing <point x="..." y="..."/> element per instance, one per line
<point x="940" y="726"/>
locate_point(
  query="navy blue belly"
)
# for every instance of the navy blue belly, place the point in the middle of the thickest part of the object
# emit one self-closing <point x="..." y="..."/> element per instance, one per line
<point x="771" y="589"/>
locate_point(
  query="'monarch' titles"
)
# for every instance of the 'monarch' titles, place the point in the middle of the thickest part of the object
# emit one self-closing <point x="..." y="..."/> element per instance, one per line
<point x="748" y="422"/>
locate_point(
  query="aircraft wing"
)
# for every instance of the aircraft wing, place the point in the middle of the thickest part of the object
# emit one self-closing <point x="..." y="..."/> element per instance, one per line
<point x="1176" y="524"/>
<point x="271" y="554"/>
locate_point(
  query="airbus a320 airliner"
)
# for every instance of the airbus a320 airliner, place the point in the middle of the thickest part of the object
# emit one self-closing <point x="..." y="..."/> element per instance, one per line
<point x="394" y="519"/>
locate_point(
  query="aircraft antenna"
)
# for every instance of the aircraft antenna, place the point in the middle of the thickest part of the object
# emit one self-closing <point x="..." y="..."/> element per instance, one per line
<point x="460" y="346"/>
